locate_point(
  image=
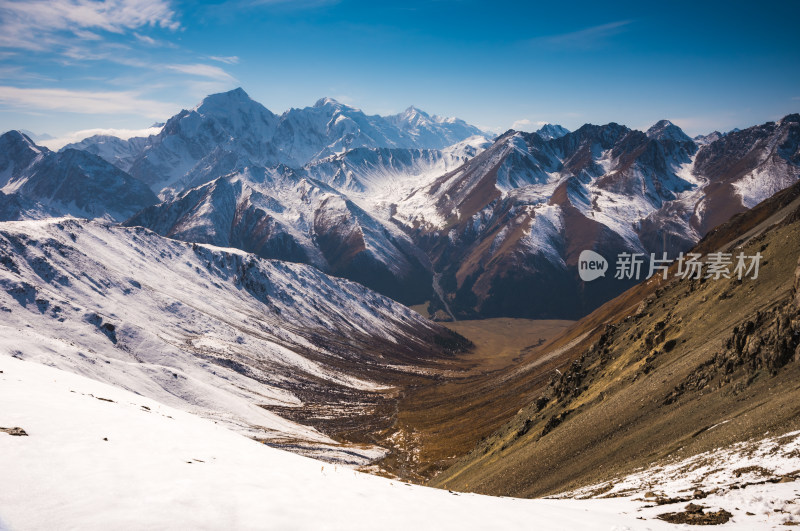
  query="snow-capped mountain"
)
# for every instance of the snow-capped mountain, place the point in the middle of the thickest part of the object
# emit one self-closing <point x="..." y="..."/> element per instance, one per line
<point x="229" y="131"/>
<point x="37" y="182"/>
<point x="380" y="176"/>
<point x="119" y="152"/>
<point x="279" y="213"/>
<point x="551" y="131"/>
<point x="432" y="132"/>
<point x="745" y="167"/>
<point x="41" y="137"/>
<point x="213" y="331"/>
<point x="702" y="140"/>
<point x="666" y="130"/>
<point x="512" y="221"/>
<point x="358" y="196"/>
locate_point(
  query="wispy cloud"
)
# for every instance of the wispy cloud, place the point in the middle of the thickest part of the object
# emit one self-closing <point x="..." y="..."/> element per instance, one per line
<point x="584" y="38"/>
<point x="293" y="4"/>
<point x="20" y="73"/>
<point x="87" y="102"/>
<point x="40" y="25"/>
<point x="230" y="60"/>
<point x="201" y="70"/>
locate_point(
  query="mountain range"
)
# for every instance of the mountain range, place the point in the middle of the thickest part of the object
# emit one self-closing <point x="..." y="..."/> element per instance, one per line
<point x="256" y="270"/>
<point x="423" y="208"/>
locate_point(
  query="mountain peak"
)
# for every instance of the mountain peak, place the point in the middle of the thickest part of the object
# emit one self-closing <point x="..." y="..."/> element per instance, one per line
<point x="551" y="131"/>
<point x="414" y="111"/>
<point x="322" y="102"/>
<point x="225" y="100"/>
<point x="666" y="130"/>
<point x="16" y="139"/>
<point x="234" y="109"/>
<point x="235" y="94"/>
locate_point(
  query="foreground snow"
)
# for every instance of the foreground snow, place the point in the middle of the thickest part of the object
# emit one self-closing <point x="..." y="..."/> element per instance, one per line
<point x="740" y="479"/>
<point x="98" y="457"/>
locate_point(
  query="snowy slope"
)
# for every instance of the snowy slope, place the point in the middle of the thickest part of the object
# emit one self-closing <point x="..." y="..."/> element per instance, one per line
<point x="279" y="213"/>
<point x="755" y="481"/>
<point x="213" y="331"/>
<point x="374" y="171"/>
<point x="99" y="457"/>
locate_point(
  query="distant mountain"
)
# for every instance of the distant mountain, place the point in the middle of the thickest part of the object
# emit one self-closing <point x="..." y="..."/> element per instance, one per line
<point x="702" y="140"/>
<point x="36" y="138"/>
<point x="517" y="216"/>
<point x="229" y="131"/>
<point x="745" y="167"/>
<point x="380" y="201"/>
<point x="279" y="213"/>
<point x="666" y="130"/>
<point x="385" y="174"/>
<point x="119" y="152"/>
<point x="432" y="132"/>
<point x="551" y="131"/>
<point x="37" y="182"/>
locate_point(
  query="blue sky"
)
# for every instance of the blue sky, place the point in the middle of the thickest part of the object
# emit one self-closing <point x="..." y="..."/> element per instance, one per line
<point x="69" y="65"/>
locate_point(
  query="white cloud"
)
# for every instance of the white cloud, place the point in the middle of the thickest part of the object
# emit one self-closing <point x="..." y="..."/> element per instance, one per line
<point x="230" y="60"/>
<point x="43" y="24"/>
<point x="87" y="102"/>
<point x="585" y="38"/>
<point x="57" y="143"/>
<point x="520" y="124"/>
<point x="201" y="70"/>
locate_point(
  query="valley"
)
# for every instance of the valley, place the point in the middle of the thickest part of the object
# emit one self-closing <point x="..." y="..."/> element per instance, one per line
<point x="670" y="368"/>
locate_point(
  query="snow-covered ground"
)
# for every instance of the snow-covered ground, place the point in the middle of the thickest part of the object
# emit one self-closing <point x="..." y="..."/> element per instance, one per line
<point x="99" y="457"/>
<point x="755" y="481"/>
